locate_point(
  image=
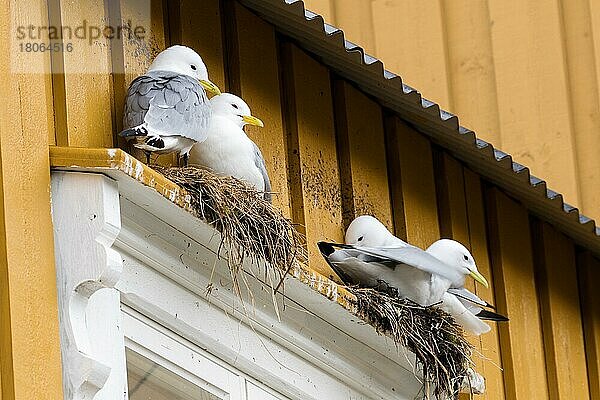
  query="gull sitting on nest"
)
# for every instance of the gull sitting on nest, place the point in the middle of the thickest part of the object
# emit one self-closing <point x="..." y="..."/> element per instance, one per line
<point x="227" y="149"/>
<point x="373" y="257"/>
<point x="166" y="109"/>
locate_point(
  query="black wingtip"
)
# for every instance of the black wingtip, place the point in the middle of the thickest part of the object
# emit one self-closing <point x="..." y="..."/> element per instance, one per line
<point x="491" y="316"/>
<point x="325" y="248"/>
<point x="328" y="249"/>
<point x="129" y="133"/>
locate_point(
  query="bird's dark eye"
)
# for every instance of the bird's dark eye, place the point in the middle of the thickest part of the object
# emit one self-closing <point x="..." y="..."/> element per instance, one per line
<point x="193" y="67"/>
<point x="235" y="106"/>
<point x="466" y="257"/>
<point x="360" y="238"/>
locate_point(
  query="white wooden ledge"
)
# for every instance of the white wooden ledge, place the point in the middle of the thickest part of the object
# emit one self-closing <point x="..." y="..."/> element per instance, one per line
<point x="123" y="238"/>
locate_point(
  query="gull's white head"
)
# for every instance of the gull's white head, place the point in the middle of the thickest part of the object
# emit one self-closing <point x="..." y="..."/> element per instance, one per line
<point x="185" y="61"/>
<point x="235" y="109"/>
<point x="370" y="232"/>
<point x="456" y="255"/>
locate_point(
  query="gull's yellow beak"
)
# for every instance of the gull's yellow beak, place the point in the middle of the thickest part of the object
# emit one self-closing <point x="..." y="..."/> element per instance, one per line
<point x="479" y="278"/>
<point x="250" y="120"/>
<point x="210" y="87"/>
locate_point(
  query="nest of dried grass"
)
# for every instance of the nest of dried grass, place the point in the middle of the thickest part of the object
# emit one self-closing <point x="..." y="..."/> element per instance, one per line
<point x="251" y="228"/>
<point x="442" y="352"/>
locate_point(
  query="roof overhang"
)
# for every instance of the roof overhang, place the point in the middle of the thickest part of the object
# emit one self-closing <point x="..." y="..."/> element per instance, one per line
<point x="352" y="63"/>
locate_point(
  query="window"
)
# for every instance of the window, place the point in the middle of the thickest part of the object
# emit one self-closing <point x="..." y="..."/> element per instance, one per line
<point x="164" y="366"/>
<point x="147" y="380"/>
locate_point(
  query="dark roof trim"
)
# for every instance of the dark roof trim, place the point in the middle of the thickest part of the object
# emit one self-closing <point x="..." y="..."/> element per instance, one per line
<point x="351" y="62"/>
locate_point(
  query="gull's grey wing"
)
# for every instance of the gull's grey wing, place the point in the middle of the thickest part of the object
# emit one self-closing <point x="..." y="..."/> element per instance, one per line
<point x="350" y="267"/>
<point x="466" y="296"/>
<point x="168" y="104"/>
<point x="260" y="164"/>
<point x="414" y="257"/>
<point x="475" y="305"/>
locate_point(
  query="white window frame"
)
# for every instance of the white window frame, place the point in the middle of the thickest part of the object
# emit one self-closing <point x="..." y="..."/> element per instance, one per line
<point x="120" y="244"/>
<point x="185" y="359"/>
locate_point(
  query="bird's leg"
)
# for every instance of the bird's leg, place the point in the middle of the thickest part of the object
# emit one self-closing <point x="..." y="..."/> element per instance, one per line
<point x="382" y="286"/>
<point x="186" y="158"/>
<point x="147" y="157"/>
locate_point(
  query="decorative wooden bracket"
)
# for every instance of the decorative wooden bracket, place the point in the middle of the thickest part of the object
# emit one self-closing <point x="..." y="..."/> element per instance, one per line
<point x="86" y="217"/>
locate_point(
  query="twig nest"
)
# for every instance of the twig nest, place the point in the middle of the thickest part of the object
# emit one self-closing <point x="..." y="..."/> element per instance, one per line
<point x="250" y="226"/>
<point x="443" y="354"/>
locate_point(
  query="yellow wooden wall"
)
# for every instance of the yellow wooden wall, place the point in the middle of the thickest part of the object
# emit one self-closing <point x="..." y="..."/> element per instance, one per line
<point x="524" y="74"/>
<point x="332" y="152"/>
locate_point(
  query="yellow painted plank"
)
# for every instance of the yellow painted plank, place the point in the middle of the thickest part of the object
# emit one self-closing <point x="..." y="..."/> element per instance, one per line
<point x="584" y="99"/>
<point x="32" y="68"/>
<point x="528" y="54"/>
<point x="362" y="155"/>
<point x="88" y="83"/>
<point x="132" y="58"/>
<point x="322" y="7"/>
<point x="314" y="177"/>
<point x="410" y="40"/>
<point x="491" y="367"/>
<point x="30" y="363"/>
<point x="516" y="296"/>
<point x="450" y="183"/>
<point x="356" y="19"/>
<point x="412" y="184"/>
<point x="561" y="315"/>
<point x="472" y="81"/>
<point x="589" y="276"/>
<point x="200" y="28"/>
<point x="462" y="218"/>
<point x="259" y="83"/>
<point x="196" y="25"/>
<point x="454" y="224"/>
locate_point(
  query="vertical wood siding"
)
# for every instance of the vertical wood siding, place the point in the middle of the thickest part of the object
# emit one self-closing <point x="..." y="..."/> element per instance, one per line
<point x="512" y="259"/>
<point x="256" y="78"/>
<point x="505" y="68"/>
<point x="30" y="366"/>
<point x="334" y="153"/>
<point x="556" y="271"/>
<point x="589" y="276"/>
<point x="462" y="217"/>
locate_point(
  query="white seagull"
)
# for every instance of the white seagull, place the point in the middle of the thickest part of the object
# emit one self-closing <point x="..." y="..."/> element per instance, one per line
<point x="167" y="109"/>
<point x="373" y="257"/>
<point x="227" y="149"/>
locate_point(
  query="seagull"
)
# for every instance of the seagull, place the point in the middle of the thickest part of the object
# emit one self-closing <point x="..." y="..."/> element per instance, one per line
<point x="374" y="257"/>
<point x="167" y="109"/>
<point x="227" y="149"/>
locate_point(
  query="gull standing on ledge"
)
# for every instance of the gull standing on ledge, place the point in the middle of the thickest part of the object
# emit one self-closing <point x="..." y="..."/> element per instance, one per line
<point x="166" y="109"/>
<point x="227" y="149"/>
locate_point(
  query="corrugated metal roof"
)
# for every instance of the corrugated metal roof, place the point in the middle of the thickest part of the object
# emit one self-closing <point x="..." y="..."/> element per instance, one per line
<point x="351" y="62"/>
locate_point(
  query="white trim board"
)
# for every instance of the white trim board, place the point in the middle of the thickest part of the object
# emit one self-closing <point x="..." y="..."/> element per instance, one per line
<point x="318" y="350"/>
